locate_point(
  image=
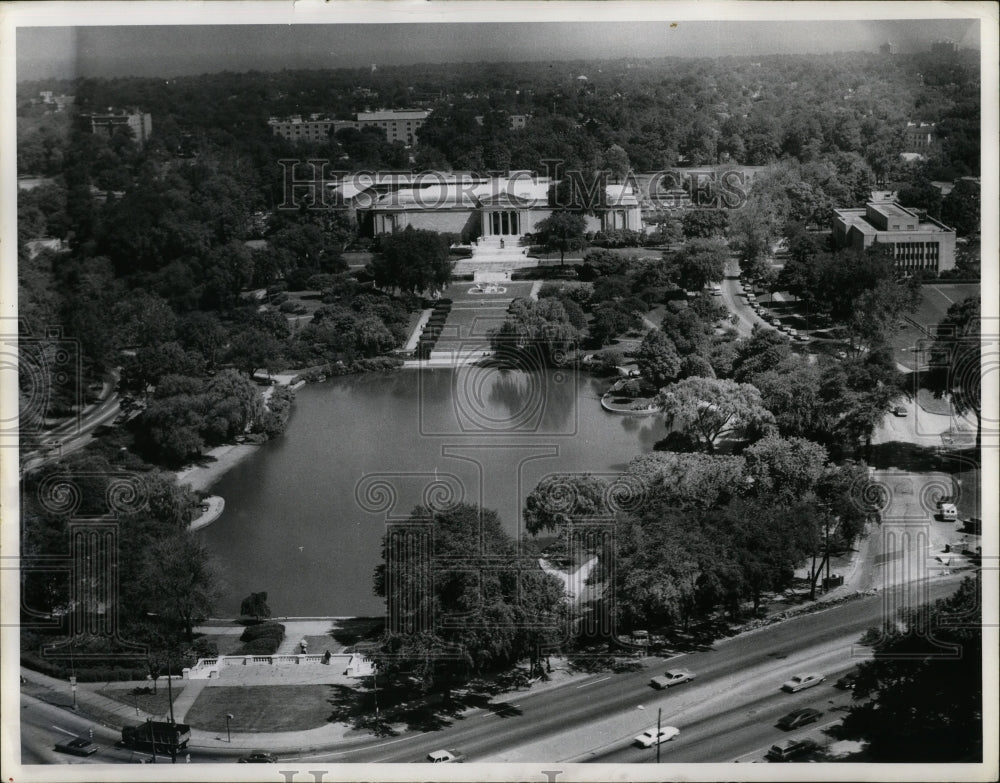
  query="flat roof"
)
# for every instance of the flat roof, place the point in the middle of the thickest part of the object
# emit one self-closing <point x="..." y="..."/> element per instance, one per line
<point x="891" y="209"/>
<point x="393" y="115"/>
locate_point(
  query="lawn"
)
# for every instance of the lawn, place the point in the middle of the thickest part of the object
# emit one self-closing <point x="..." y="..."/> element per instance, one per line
<point x="271" y="708"/>
<point x="153" y="703"/>
<point x="911" y="343"/>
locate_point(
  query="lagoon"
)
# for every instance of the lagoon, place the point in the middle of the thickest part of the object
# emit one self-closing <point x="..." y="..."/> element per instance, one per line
<point x="305" y="514"/>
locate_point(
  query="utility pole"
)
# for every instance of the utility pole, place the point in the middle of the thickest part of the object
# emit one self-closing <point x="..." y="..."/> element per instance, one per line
<point x="659" y="715"/>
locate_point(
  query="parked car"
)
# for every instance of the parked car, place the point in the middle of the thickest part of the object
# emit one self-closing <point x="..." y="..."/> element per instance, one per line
<point x="774" y="321"/>
<point x="445" y="757"/>
<point x="790" y="330"/>
<point x="848" y="681"/>
<point x="798" y="718"/>
<point x="900" y="410"/>
<point x="789" y="749"/>
<point x="802" y="337"/>
<point x="259" y="757"/>
<point x="672" y="677"/>
<point x="650" y="737"/>
<point x="77" y="747"/>
<point x="802" y="681"/>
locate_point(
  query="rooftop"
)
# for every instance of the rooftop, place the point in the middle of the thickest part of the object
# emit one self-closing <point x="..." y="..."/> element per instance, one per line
<point x="393" y="114"/>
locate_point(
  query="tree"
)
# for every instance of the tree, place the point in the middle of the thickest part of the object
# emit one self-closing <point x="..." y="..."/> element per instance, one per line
<point x="956" y="360"/>
<point x="562" y="231"/>
<point x="961" y="208"/>
<point x="180" y="583"/>
<point x="688" y="480"/>
<point x="704" y="223"/>
<point x="255" y="606"/>
<point x="708" y="410"/>
<point x="658" y="359"/>
<point x="561" y="499"/>
<point x="498" y="607"/>
<point x="616" y="161"/>
<point x="412" y="260"/>
<point x="920" y="700"/>
<point x="700" y="262"/>
<point x="765" y="350"/>
<point x="536" y="326"/>
<point x="612" y="319"/>
<point x="785" y="468"/>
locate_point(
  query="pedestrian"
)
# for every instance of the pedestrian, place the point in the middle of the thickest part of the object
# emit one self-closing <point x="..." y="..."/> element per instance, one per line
<point x="187" y="759"/>
<point x="326" y="657"/>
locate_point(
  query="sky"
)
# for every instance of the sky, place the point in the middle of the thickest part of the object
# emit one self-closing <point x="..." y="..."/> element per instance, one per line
<point x="177" y="50"/>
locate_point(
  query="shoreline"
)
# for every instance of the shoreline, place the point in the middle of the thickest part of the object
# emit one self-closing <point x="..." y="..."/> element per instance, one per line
<point x="200" y="477"/>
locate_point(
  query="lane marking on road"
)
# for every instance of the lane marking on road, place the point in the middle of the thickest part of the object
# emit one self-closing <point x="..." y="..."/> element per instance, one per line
<point x="813" y="730"/>
<point x="356" y="750"/>
<point x="593" y="682"/>
<point x="674" y="657"/>
<point x="60" y="728"/>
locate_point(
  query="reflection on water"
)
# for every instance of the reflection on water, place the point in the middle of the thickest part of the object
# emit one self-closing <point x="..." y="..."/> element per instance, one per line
<point x="305" y="515"/>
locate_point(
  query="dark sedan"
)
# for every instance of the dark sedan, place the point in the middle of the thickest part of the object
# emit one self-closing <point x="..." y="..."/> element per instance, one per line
<point x="77" y="747"/>
<point x="799" y="718"/>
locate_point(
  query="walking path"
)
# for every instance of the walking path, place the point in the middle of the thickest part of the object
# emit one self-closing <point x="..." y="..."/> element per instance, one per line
<point x="215" y="505"/>
<point x="411" y="343"/>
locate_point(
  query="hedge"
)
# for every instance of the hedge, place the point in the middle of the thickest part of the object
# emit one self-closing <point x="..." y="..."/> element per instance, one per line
<point x="267" y="645"/>
<point x="252" y="632"/>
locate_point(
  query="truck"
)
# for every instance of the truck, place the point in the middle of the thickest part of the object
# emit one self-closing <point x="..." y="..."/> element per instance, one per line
<point x="157" y="736"/>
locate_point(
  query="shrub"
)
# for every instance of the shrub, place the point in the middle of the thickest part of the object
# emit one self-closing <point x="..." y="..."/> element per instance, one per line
<point x="252" y="632"/>
<point x="377" y="364"/>
<point x="267" y="645"/>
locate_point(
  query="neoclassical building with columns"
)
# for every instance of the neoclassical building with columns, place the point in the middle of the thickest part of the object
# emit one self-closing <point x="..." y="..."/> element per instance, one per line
<point x="492" y="208"/>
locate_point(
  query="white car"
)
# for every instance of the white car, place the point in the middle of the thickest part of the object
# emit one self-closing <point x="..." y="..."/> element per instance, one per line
<point x="801" y="682"/>
<point x="650" y="737"/>
<point x="445" y="757"/>
<point x="672" y="677"/>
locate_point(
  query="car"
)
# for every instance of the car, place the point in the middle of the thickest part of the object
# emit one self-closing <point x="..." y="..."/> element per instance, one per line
<point x="650" y="737"/>
<point x="848" y="681"/>
<point x="789" y="749"/>
<point x="841" y="355"/>
<point x="900" y="411"/>
<point x="802" y="337"/>
<point x="774" y="321"/>
<point x="77" y="747"/>
<point x="800" y="682"/>
<point x="798" y="718"/>
<point x="672" y="677"/>
<point x="259" y="757"/>
<point x="791" y="330"/>
<point x="445" y="757"/>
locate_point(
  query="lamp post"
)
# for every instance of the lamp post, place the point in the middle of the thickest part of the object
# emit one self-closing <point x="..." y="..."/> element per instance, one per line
<point x="229" y="736"/>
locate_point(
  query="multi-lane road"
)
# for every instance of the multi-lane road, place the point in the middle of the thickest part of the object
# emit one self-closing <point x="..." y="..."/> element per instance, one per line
<point x="726" y="714"/>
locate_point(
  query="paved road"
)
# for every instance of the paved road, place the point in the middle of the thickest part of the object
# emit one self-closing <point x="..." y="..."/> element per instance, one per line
<point x="43" y="725"/>
<point x="600" y="715"/>
<point x="76" y="433"/>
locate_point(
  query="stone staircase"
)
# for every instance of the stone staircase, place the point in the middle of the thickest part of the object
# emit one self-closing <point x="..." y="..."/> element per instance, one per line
<point x="489" y="256"/>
